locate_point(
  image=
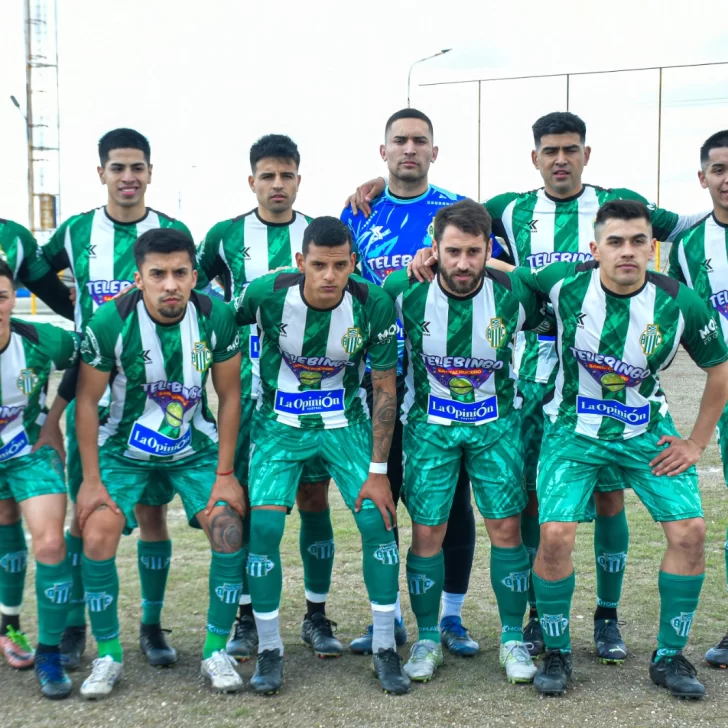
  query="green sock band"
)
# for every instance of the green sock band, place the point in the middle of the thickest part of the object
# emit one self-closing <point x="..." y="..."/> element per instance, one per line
<point x="425" y="579"/>
<point x="380" y="557"/>
<point x="553" y="601"/>
<point x="611" y="543"/>
<point x="111" y="648"/>
<point x="263" y="566"/>
<point x="531" y="535"/>
<point x="316" y="542"/>
<point x="225" y="585"/>
<point x="101" y="582"/>
<point x="246" y="550"/>
<point x="13" y="564"/>
<point x="76" y="614"/>
<point x="53" y="591"/>
<point x="153" y="558"/>
<point x="678" y="601"/>
<point x="510" y="578"/>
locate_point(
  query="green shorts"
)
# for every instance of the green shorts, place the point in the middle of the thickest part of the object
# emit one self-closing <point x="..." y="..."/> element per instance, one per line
<point x="493" y="456"/>
<point x="314" y="470"/>
<point x="128" y="480"/>
<point x="723" y="442"/>
<point x="38" y="473"/>
<point x="570" y="466"/>
<point x="278" y="454"/>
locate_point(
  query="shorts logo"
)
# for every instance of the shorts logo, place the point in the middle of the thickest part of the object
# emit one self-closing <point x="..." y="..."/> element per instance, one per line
<point x="612" y="373"/>
<point x="612" y="563"/>
<point x="683" y="623"/>
<point x="651" y="339"/>
<point x="155" y="563"/>
<point x="554" y="625"/>
<point x="517" y="581"/>
<point x="322" y="549"/>
<point x="496" y="333"/>
<point x="387" y="554"/>
<point x="352" y="341"/>
<point x="27" y="381"/>
<point x="201" y="356"/>
<point x="59" y="593"/>
<point x="229" y="593"/>
<point x="615" y="410"/>
<point x="16" y="446"/>
<point x="98" y="601"/>
<point x="15" y="562"/>
<point x="419" y="583"/>
<point x="472" y="413"/>
<point x="258" y="565"/>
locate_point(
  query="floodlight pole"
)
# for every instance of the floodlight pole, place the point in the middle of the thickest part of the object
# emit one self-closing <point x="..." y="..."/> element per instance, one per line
<point x="426" y="58"/>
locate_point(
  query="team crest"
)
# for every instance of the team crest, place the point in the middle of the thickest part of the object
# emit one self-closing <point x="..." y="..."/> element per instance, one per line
<point x="201" y="356"/>
<point x="651" y="339"/>
<point x="495" y="333"/>
<point x="431" y="228"/>
<point x="27" y="381"/>
<point x="352" y="341"/>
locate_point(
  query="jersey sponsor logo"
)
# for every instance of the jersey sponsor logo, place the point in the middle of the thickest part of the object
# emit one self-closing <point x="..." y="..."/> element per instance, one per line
<point x="419" y="583"/>
<point x="27" y="381"/>
<point x="613" y="563"/>
<point x="469" y="413"/>
<point x="59" y="593"/>
<point x="683" y="623"/>
<point x="495" y="333"/>
<point x="309" y="403"/>
<point x="155" y="443"/>
<point x="246" y="252"/>
<point x="352" y="341"/>
<point x="651" y="339"/>
<point x="8" y="414"/>
<point x="14" y="562"/>
<point x="425" y="328"/>
<point x="460" y="374"/>
<point x="201" y="356"/>
<point x="282" y="329"/>
<point x="708" y="332"/>
<point x="235" y="344"/>
<point x="707" y="266"/>
<point x="229" y="593"/>
<point x="254" y="346"/>
<point x="144" y="356"/>
<point x="719" y="301"/>
<point x="90" y="347"/>
<point x="532" y="226"/>
<point x="91" y="250"/>
<point x="378" y="233"/>
<point x="14" y="447"/>
<point x="98" y="601"/>
<point x="614" y="410"/>
<point x="539" y="260"/>
<point x="383" y="265"/>
<point x="103" y="291"/>
<point x="517" y="581"/>
<point x="387" y="554"/>
<point x="311" y="370"/>
<point x="258" y="565"/>
<point x="580" y="319"/>
<point x="322" y="549"/>
<point x="554" y="625"/>
<point x="175" y="400"/>
<point x="394" y="330"/>
<point x="612" y="373"/>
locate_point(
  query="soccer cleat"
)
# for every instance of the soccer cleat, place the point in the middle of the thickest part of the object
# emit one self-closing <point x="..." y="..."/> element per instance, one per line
<point x="317" y="632"/>
<point x="17" y="650"/>
<point x="73" y="644"/>
<point x="242" y="644"/>
<point x="387" y="666"/>
<point x="611" y="649"/>
<point x="677" y="674"/>
<point x="533" y="637"/>
<point x="153" y="643"/>
<point x="425" y="658"/>
<point x="553" y="673"/>
<point x="363" y="645"/>
<point x="457" y="638"/>
<point x="54" y="682"/>
<point x="718" y="655"/>
<point x="219" y="669"/>
<point x="105" y="673"/>
<point x="517" y="662"/>
<point x="268" y="675"/>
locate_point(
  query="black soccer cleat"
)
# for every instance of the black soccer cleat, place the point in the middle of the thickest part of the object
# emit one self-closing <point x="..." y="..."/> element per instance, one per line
<point x="244" y="641"/>
<point x="268" y="676"/>
<point x="718" y="655"/>
<point x="317" y="632"/>
<point x="611" y="649"/>
<point x="154" y="644"/>
<point x="554" y="673"/>
<point x="678" y="675"/>
<point x="73" y="644"/>
<point x="387" y="665"/>
<point x="533" y="637"/>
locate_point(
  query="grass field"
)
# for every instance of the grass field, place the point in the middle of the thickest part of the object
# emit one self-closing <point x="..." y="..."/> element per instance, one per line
<point x="465" y="692"/>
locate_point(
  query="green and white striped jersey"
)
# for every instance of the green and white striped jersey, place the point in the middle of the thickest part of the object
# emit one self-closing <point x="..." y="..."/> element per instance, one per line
<point x="459" y="350"/>
<point x="98" y="250"/>
<point x="32" y="353"/>
<point x="159" y="406"/>
<point x="238" y="251"/>
<point x="312" y="362"/>
<point x="541" y="229"/>
<point x="20" y="251"/>
<point x="611" y="348"/>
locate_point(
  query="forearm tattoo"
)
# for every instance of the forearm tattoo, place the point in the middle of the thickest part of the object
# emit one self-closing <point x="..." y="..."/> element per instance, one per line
<point x="383" y="415"/>
<point x="226" y="531"/>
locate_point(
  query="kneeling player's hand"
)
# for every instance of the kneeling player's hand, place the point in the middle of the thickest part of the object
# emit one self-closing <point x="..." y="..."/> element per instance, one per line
<point x="421" y="265"/>
<point x="376" y="488"/>
<point x="51" y="436"/>
<point x="228" y="490"/>
<point x="677" y="457"/>
<point x="93" y="496"/>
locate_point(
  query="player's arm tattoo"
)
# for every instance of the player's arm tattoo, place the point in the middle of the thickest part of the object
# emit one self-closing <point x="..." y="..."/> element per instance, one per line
<point x="384" y="386"/>
<point x="226" y="530"/>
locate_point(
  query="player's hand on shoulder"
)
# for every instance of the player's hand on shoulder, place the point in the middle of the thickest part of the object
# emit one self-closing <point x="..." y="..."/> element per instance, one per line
<point x="364" y="195"/>
<point x="677" y="457"/>
<point x="421" y="265"/>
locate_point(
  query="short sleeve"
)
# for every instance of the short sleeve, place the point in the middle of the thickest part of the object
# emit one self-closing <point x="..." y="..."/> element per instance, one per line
<point x="396" y="283"/>
<point x="208" y="256"/>
<point x="702" y="336"/>
<point x="674" y="269"/>
<point x="99" y="338"/>
<point x="34" y="265"/>
<point x="245" y="306"/>
<point x="382" y="341"/>
<point x="54" y="251"/>
<point x="539" y="314"/>
<point x="227" y="336"/>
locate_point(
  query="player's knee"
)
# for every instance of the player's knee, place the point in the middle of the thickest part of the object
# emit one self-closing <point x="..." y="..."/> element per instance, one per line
<point x="609" y="503"/>
<point x="313" y="497"/>
<point x="49" y="548"/>
<point x="266" y="532"/>
<point x="99" y="542"/>
<point x="371" y="526"/>
<point x="9" y="512"/>
<point x="152" y="522"/>
<point x="225" y="530"/>
<point x="505" y="532"/>
<point x="557" y="540"/>
<point x="688" y="536"/>
<point x="427" y="540"/>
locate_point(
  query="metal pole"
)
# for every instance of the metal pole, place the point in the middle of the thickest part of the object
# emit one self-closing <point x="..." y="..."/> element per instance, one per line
<point x="658" y="247"/>
<point x="479" y="99"/>
<point x="409" y="73"/>
<point x="58" y="116"/>
<point x="568" y="89"/>
<point x="29" y="120"/>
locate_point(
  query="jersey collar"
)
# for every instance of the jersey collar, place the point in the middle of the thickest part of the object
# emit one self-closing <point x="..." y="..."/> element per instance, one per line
<point x="718" y="222"/>
<point x="275" y="224"/>
<point x="557" y="200"/>
<point x="125" y="224"/>
<point x="406" y="200"/>
<point x="313" y="308"/>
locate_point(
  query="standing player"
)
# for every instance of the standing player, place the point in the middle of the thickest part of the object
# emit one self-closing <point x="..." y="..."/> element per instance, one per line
<point x="238" y="251"/>
<point x="618" y="327"/>
<point x="400" y="224"/>
<point x="461" y="406"/>
<point x="160" y="434"/>
<point x="97" y="247"/>
<point x="699" y="258"/>
<point x="318" y="324"/>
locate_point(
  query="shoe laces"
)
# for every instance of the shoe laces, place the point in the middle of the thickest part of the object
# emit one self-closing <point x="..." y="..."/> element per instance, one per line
<point x="157" y="638"/>
<point x="267" y="662"/>
<point x="324" y="626"/>
<point x="18" y="639"/>
<point x="680" y="665"/>
<point x="220" y="664"/>
<point x="518" y="651"/>
<point x="100" y="670"/>
<point x="422" y="650"/>
<point x="49" y="668"/>
<point x="609" y="631"/>
<point x="454" y="625"/>
<point x="390" y="659"/>
<point x="553" y="662"/>
<point x="723" y="644"/>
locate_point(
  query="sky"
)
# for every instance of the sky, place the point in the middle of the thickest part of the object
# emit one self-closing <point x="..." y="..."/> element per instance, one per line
<point x="203" y="80"/>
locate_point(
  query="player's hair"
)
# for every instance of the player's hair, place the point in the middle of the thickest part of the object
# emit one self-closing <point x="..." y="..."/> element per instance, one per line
<point x="558" y="122"/>
<point x="467" y="216"/>
<point x="123" y="139"/>
<point x="6" y="271"/>
<point x="276" y="146"/>
<point x="163" y="240"/>
<point x="620" y="210"/>
<point x="408" y="114"/>
<point x="715" y="141"/>
<point x="326" y="231"/>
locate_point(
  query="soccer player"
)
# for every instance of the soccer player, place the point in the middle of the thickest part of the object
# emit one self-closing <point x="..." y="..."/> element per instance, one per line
<point x="161" y="341"/>
<point x="238" y="251"/>
<point x="462" y="406"/>
<point x="97" y="247"/>
<point x="318" y="324"/>
<point x="699" y="258"/>
<point x="618" y="327"/>
<point x="31" y="480"/>
<point x="401" y="223"/>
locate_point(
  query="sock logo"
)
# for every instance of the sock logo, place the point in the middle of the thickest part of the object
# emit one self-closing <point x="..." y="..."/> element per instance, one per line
<point x="683" y="623"/>
<point x="151" y="603"/>
<point x="258" y="565"/>
<point x="554" y="625"/>
<point x="217" y="630"/>
<point x="75" y="558"/>
<point x="229" y="593"/>
<point x="613" y="563"/>
<point x="609" y="605"/>
<point x="98" y="601"/>
<point x="517" y="581"/>
<point x="387" y="553"/>
<point x="322" y="549"/>
<point x="14" y="562"/>
<point x="155" y="563"/>
<point x="419" y="583"/>
<point x="59" y="593"/>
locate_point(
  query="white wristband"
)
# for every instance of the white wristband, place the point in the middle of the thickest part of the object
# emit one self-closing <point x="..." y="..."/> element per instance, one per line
<point x="378" y="468"/>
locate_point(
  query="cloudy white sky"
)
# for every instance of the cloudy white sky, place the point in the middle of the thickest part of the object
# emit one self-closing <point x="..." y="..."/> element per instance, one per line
<point x="204" y="79"/>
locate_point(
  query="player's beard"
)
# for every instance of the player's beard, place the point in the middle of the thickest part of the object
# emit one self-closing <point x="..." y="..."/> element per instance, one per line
<point x="462" y="287"/>
<point x="171" y="311"/>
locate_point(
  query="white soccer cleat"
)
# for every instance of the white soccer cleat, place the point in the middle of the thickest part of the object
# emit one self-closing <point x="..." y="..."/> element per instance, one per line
<point x="425" y="658"/>
<point x="105" y="673"/>
<point x="220" y="670"/>
<point x="516" y="661"/>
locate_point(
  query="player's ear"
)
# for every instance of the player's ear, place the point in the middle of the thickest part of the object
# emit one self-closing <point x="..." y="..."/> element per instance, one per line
<point x="435" y="250"/>
<point x="594" y="250"/>
<point x="435" y="151"/>
<point x="702" y="179"/>
<point x="251" y="182"/>
<point x="534" y="158"/>
<point x="299" y="262"/>
<point x="138" y="280"/>
<point x="102" y="176"/>
<point x="383" y="152"/>
<point x="149" y="175"/>
<point x="587" y="155"/>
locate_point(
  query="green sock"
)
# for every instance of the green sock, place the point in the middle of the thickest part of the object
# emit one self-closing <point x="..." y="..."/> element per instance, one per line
<point x="380" y="557"/>
<point x="553" y="601"/>
<point x="425" y="578"/>
<point x="153" y="558"/>
<point x="225" y="586"/>
<point x="76" y="614"/>
<point x="316" y="542"/>
<point x="531" y="535"/>
<point x="53" y="591"/>
<point x="678" y="601"/>
<point x="263" y="566"/>
<point x="13" y="564"/>
<point x="101" y="583"/>
<point x="611" y="542"/>
<point x="726" y="558"/>
<point x="246" y="549"/>
<point x="509" y="577"/>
